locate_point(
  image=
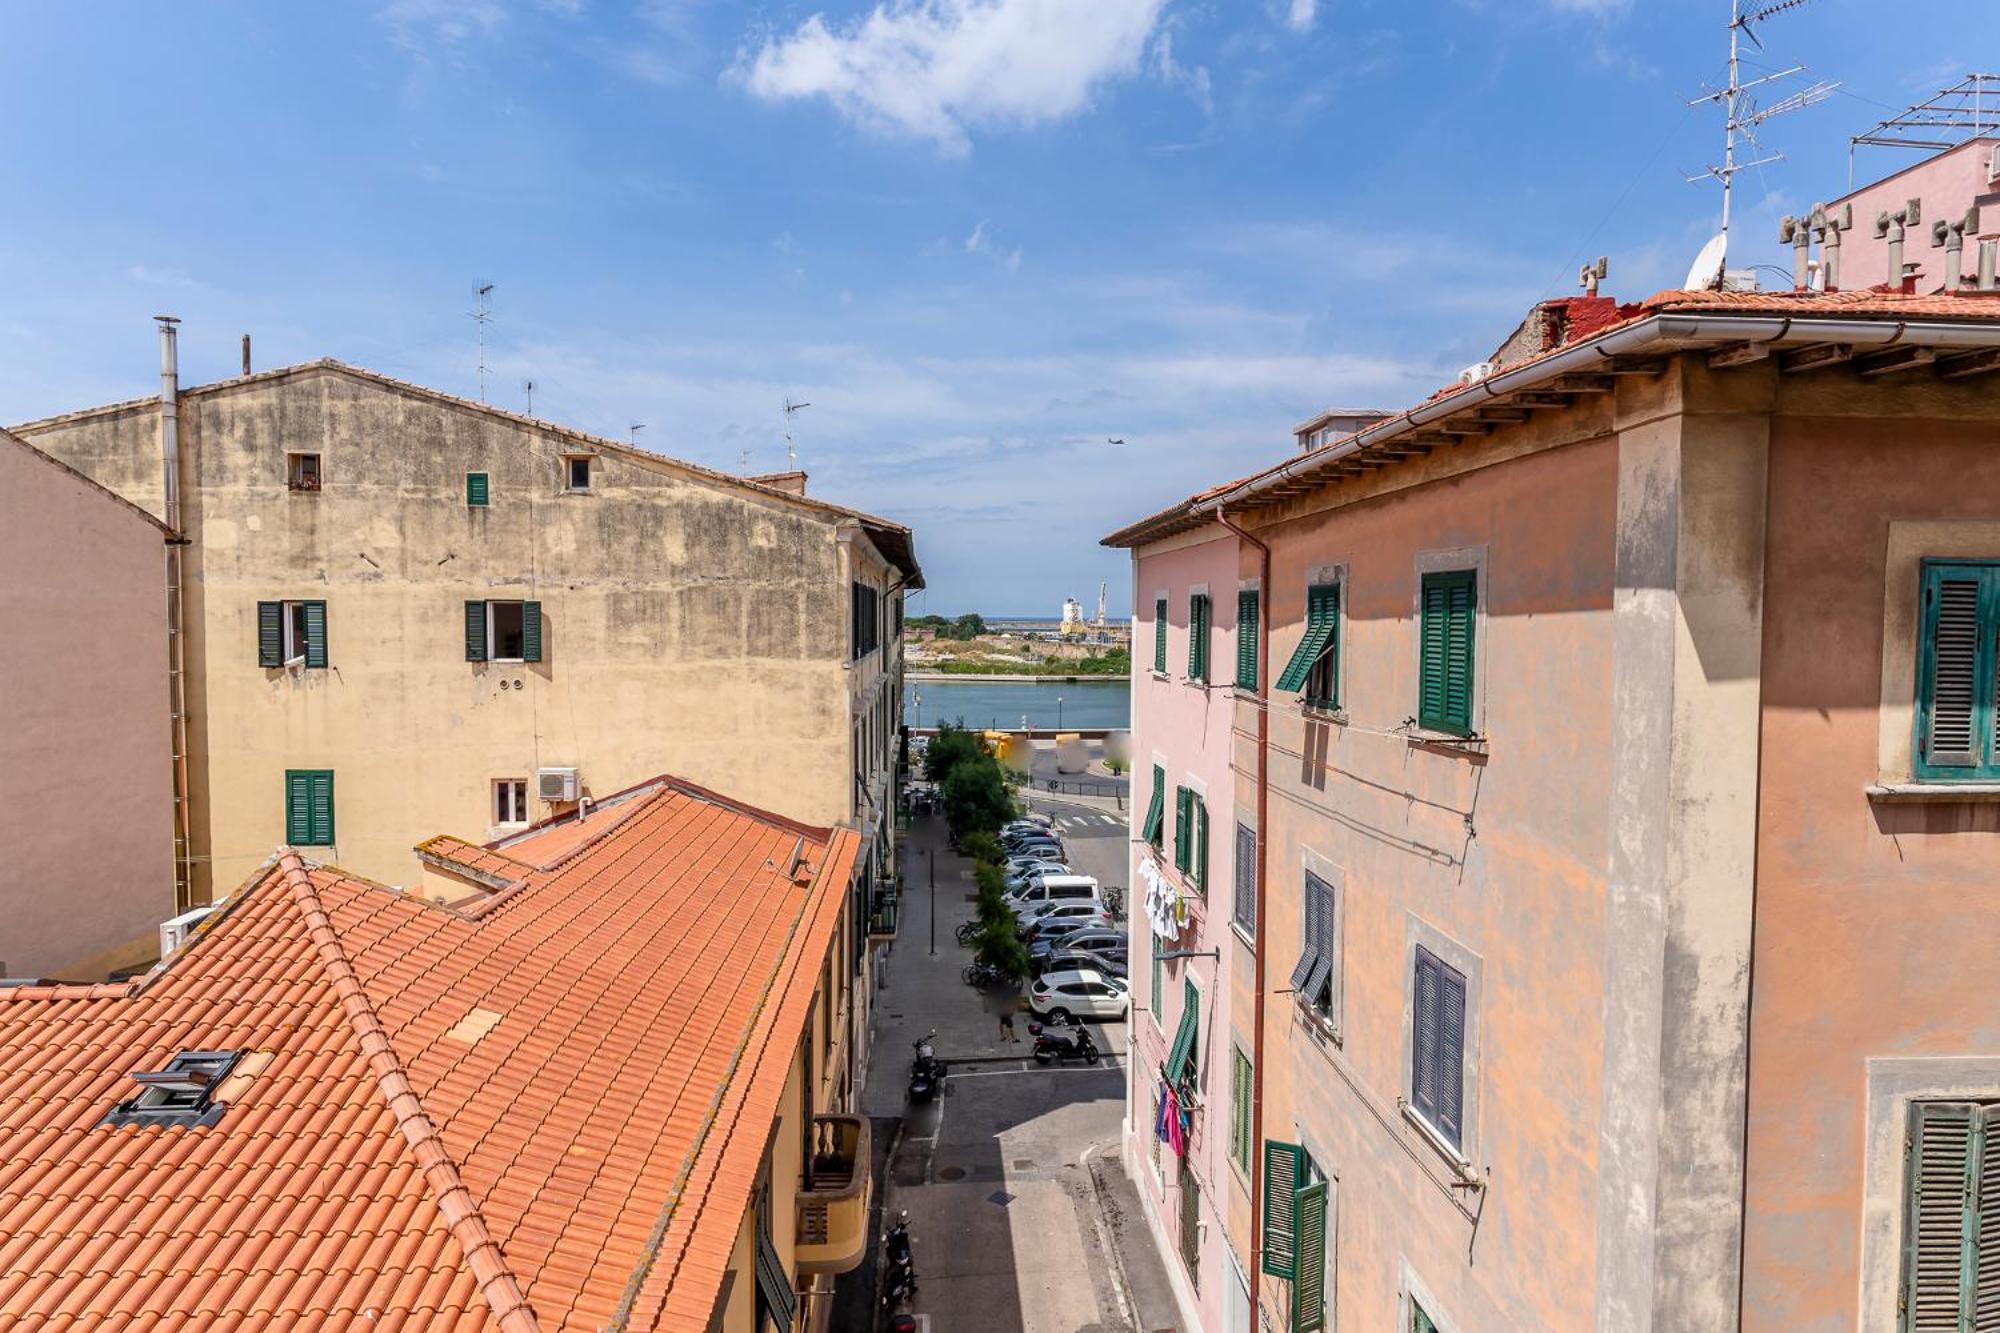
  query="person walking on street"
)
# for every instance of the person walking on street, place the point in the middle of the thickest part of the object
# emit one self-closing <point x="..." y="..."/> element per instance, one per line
<point x="1007" y="1024"/>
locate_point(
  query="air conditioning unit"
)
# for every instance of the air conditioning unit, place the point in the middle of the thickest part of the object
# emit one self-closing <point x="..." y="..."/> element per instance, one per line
<point x="556" y="784"/>
<point x="1477" y="371"/>
<point x="174" y="933"/>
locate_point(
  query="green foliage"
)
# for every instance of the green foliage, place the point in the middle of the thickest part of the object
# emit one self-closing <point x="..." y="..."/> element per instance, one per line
<point x="962" y="628"/>
<point x="984" y="848"/>
<point x="1113" y="664"/>
<point x="976" y="799"/>
<point x="952" y="746"/>
<point x="1117" y="765"/>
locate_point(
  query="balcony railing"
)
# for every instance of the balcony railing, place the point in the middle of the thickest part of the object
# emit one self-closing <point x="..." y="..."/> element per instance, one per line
<point x="833" y="1202"/>
<point x="882" y="913"/>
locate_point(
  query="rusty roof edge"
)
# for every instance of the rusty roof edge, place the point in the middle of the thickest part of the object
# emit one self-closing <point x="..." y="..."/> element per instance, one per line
<point x="1657" y="332"/>
<point x="460" y="1211"/>
<point x="657" y="1235"/>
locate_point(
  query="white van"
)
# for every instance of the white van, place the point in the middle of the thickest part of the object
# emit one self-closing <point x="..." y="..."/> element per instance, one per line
<point x="1054" y="889"/>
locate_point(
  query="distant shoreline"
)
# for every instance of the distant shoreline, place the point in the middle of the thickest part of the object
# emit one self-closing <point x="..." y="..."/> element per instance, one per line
<point x="929" y="677"/>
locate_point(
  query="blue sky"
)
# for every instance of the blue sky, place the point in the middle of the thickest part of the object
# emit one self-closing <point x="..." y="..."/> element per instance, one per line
<point x="982" y="237"/>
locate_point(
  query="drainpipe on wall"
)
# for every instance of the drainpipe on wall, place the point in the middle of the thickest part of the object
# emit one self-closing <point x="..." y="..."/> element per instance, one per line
<point x="170" y="462"/>
<point x="1257" y="949"/>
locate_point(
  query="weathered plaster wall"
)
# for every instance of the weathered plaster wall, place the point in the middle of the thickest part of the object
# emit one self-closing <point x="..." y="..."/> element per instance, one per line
<point x="690" y="627"/>
<point x="1500" y="855"/>
<point x="86" y="790"/>
<point x="1876" y="931"/>
<point x="1187" y="727"/>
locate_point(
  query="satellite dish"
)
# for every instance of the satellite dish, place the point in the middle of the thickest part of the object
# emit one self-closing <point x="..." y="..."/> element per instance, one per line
<point x="1706" y="272"/>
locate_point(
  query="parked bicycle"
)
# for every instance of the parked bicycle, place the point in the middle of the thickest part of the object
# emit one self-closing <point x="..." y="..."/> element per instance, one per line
<point x="982" y="976"/>
<point x="968" y="932"/>
<point x="1114" y="899"/>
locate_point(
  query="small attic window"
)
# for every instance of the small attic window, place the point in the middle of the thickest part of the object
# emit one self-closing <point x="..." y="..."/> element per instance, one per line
<point x="302" y="472"/>
<point x="181" y="1094"/>
<point x="577" y="470"/>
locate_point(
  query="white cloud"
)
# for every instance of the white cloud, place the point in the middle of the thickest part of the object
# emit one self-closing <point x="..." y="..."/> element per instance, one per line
<point x="420" y="23"/>
<point x="1302" y="14"/>
<point x="980" y="243"/>
<point x="1193" y="80"/>
<point x="937" y="69"/>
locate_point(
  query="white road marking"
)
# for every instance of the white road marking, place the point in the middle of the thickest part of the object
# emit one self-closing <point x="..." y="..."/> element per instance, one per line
<point x="1039" y="1069"/>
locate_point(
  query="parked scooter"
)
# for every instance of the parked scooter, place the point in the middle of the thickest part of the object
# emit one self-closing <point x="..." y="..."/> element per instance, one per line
<point x="926" y="1070"/>
<point x="1058" y="1043"/>
<point x="899" y="1270"/>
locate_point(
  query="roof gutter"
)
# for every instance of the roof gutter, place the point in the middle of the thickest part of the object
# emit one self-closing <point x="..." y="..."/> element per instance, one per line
<point x="1661" y="333"/>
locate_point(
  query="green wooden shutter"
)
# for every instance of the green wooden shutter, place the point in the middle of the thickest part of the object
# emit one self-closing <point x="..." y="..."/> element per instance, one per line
<point x="1938" y="1216"/>
<point x="1309" y="1287"/>
<point x="1156" y="811"/>
<point x="477" y="486"/>
<point x="270" y="634"/>
<point x="1182" y="1052"/>
<point x="1153" y="1000"/>
<point x="1246" y="639"/>
<point x="1321" y="617"/>
<point x="1201" y="844"/>
<point x="322" y="809"/>
<point x="1449" y="615"/>
<point x="298" y="808"/>
<point x="1284" y="1164"/>
<point x="1958" y="672"/>
<point x="1420" y="1322"/>
<point x="1183" y="828"/>
<point x="1198" y="626"/>
<point x="475" y="631"/>
<point x="315" y="634"/>
<point x="531" y="631"/>
<point x="1239" y="1110"/>
<point x="1325" y="602"/>
<point x="1160" y="635"/>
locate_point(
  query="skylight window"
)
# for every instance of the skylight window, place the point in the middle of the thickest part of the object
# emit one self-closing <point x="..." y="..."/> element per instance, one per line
<point x="181" y="1094"/>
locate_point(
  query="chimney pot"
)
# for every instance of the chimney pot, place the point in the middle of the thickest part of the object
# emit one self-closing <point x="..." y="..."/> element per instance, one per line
<point x="246" y="354"/>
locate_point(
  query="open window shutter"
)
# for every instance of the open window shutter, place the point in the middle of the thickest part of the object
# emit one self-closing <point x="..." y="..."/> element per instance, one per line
<point x="1201" y="844"/>
<point x="322" y="809"/>
<point x="475" y="631"/>
<point x="1156" y="809"/>
<point x="315" y="634"/>
<point x="1940" y="1217"/>
<point x="780" y="1301"/>
<point x="1284" y="1163"/>
<point x="1423" y="1038"/>
<point x="1953" y="683"/>
<point x="1420" y="1322"/>
<point x="1246" y="639"/>
<point x="270" y="634"/>
<point x="1160" y="635"/>
<point x="1319" y="629"/>
<point x="1309" y="958"/>
<point x="1329" y="594"/>
<point x="531" y="631"/>
<point x="1309" y="1287"/>
<point x="1185" y="1035"/>
<point x="298" y="808"/>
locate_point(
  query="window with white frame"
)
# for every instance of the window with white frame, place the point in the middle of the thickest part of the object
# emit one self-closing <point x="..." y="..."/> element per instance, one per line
<point x="510" y="802"/>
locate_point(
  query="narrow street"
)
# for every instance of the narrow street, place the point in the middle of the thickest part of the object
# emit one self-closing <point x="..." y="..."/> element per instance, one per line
<point x="1022" y="1217"/>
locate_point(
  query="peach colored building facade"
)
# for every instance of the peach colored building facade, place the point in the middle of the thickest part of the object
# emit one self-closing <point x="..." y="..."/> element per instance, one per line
<point x="1196" y="1190"/>
<point x="1614" y="927"/>
<point x="86" y="783"/>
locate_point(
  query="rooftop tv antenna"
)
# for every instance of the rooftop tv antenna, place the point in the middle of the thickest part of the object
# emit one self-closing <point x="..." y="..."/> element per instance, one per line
<point x="1968" y="109"/>
<point x="791" y="454"/>
<point x="481" y="316"/>
<point x="529" y="386"/>
<point x="1741" y="114"/>
<point x="633" y="430"/>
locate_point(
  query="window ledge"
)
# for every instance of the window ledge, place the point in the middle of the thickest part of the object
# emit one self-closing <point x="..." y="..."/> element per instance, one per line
<point x="1453" y="1158"/>
<point x="1249" y="941"/>
<point x="1160" y="675"/>
<point x="1445" y="740"/>
<point x="1933" y="793"/>
<point x="1321" y="1025"/>
<point x="1321" y="713"/>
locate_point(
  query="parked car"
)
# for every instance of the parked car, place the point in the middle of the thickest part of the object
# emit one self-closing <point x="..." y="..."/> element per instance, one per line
<point x="1080" y="937"/>
<point x="1025" y="863"/>
<point x="1027" y="875"/>
<point x="1055" y="889"/>
<point x="1020" y="844"/>
<point x="1083" y="993"/>
<point x="1045" y="915"/>
<point x="1033" y="819"/>
<point x="1074" y="960"/>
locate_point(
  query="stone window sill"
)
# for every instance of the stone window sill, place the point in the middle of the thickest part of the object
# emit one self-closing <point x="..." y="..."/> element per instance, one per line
<point x="1450" y="741"/>
<point x="1322" y="713"/>
<point x="1319" y="1024"/>
<point x="1460" y="1167"/>
<point x="1934" y="793"/>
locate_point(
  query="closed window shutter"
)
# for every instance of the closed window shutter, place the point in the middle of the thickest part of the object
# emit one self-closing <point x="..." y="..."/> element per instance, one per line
<point x="774" y="1288"/>
<point x="1239" y="1110"/>
<point x="1194" y="637"/>
<point x="1420" y="1322"/>
<point x="475" y="631"/>
<point x="1246" y="877"/>
<point x="1284" y="1164"/>
<point x="1986" y="1248"/>
<point x="315" y="634"/>
<point x="1959" y="675"/>
<point x="270" y="634"/>
<point x="1423" y="1038"/>
<point x="476" y="490"/>
<point x="1319" y="933"/>
<point x="1201" y="845"/>
<point x="1938" y="1216"/>
<point x="531" y="631"/>
<point x="322" y="809"/>
<point x="1451" y="1055"/>
<point x="1310" y="961"/>
<point x="298" y="809"/>
<point x="1309" y="1287"/>
<point x="1445" y="678"/>
<point x="1246" y="640"/>
<point x="1160" y="635"/>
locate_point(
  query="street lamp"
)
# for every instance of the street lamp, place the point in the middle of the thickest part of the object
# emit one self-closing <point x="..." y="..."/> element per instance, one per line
<point x="918" y="691"/>
<point x="1058" y="712"/>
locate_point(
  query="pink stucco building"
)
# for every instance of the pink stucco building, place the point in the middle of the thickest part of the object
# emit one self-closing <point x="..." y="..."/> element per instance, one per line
<point x="1947" y="186"/>
<point x="1187" y="941"/>
<point x="86" y="780"/>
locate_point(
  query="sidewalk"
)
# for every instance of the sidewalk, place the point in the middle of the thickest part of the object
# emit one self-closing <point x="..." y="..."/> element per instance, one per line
<point x="1019" y="1206"/>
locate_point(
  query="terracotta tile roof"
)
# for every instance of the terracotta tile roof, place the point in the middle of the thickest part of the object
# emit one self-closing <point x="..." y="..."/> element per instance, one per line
<point x="543" y="1114"/>
<point x="1870" y="303"/>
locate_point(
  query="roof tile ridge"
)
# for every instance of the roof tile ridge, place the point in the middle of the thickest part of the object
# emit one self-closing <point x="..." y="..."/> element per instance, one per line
<point x="495" y="1280"/>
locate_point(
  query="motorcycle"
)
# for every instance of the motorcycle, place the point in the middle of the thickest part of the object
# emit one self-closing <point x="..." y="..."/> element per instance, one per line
<point x="899" y="1281"/>
<point x="1053" y="1044"/>
<point x="926" y="1070"/>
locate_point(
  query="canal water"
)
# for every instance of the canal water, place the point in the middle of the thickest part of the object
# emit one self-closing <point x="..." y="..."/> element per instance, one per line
<point x="1086" y="705"/>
